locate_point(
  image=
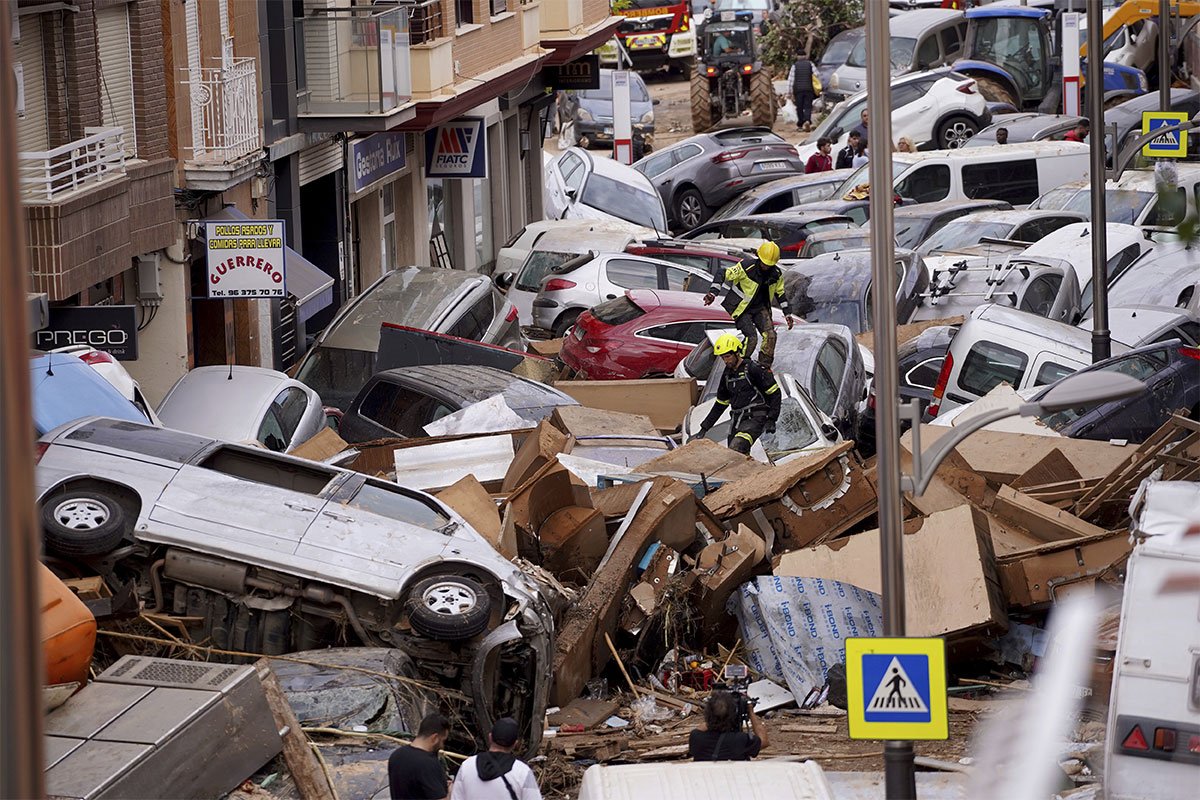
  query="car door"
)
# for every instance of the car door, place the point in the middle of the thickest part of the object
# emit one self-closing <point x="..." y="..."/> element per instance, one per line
<point x="620" y="274"/>
<point x="662" y="347"/>
<point x="681" y="166"/>
<point x="653" y="167"/>
<point x="244" y="501"/>
<point x="571" y="173"/>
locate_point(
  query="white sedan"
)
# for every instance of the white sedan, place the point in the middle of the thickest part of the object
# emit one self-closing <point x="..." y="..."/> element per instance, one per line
<point x="939" y="109"/>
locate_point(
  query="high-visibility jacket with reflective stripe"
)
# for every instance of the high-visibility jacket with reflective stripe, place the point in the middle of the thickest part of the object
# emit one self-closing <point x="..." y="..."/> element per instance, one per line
<point x="746" y="282"/>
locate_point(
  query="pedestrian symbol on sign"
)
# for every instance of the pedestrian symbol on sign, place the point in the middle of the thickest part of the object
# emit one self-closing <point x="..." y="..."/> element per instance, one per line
<point x="1168" y="144"/>
<point x="896" y="693"/>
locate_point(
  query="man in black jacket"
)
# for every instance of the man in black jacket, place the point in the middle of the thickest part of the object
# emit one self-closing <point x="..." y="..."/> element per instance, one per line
<point x="748" y="390"/>
<point x="802" y="91"/>
<point x="845" y="156"/>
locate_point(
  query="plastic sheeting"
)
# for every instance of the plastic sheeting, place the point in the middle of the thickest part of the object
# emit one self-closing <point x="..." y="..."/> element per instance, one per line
<point x="795" y="628"/>
<point x="487" y="416"/>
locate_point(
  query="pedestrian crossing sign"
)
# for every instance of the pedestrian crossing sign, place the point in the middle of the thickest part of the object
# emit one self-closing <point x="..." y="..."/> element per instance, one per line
<point x="1171" y="144"/>
<point x="897" y="688"/>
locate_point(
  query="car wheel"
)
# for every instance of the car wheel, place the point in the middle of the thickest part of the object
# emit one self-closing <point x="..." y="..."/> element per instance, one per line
<point x="81" y="523"/>
<point x="564" y="322"/>
<point x="690" y="211"/>
<point x="954" y="132"/>
<point x="449" y="608"/>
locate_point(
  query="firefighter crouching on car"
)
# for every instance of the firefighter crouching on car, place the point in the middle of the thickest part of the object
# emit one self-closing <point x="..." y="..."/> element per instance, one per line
<point x="748" y="390"/>
<point x="752" y="290"/>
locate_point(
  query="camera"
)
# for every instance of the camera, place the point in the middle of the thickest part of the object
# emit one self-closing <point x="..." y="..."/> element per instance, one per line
<point x="735" y="680"/>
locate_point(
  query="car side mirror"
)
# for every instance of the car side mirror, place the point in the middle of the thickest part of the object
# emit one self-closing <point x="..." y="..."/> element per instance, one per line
<point x="830" y="432"/>
<point x="504" y="279"/>
<point x="836" y="133"/>
<point x="571" y="193"/>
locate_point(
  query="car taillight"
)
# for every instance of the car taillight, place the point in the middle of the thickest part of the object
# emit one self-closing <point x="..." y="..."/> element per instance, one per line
<point x="710" y="70"/>
<point x="939" y="388"/>
<point x="791" y="248"/>
<point x="39" y="450"/>
<point x="729" y="155"/>
<point x="557" y="284"/>
<point x="1190" y="352"/>
<point x="966" y="87"/>
<point x="747" y="68"/>
<point x="512" y="315"/>
<point x="96" y="357"/>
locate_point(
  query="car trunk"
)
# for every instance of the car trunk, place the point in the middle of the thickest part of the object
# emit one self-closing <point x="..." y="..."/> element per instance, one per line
<point x="759" y="158"/>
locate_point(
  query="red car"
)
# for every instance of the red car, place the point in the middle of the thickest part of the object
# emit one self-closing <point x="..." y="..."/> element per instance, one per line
<point x="644" y="334"/>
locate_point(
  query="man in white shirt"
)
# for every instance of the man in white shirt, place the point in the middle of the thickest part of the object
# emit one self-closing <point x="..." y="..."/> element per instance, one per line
<point x="497" y="774"/>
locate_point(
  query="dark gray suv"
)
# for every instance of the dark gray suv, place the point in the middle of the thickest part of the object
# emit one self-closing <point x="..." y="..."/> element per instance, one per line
<point x="705" y="171"/>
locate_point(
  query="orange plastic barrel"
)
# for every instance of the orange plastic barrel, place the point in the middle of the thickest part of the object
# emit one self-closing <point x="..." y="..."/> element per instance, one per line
<point x="68" y="632"/>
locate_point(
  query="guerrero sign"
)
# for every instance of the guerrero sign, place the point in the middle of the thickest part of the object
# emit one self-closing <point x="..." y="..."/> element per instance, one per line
<point x="456" y="149"/>
<point x="245" y="259"/>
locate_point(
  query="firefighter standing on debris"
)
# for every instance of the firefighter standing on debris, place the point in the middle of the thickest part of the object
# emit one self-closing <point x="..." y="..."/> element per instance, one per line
<point x="752" y="290"/>
<point x="748" y="390"/>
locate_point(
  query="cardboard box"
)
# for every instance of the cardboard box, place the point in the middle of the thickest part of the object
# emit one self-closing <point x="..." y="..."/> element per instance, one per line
<point x="722" y="567"/>
<point x="540" y="447"/>
<point x="572" y="542"/>
<point x="762" y="487"/>
<point x="1042" y="521"/>
<point x="546" y="347"/>
<point x="320" y="447"/>
<point x="665" y="400"/>
<point x="472" y="501"/>
<point x="581" y="421"/>
<point x="1036" y="575"/>
<point x="716" y="462"/>
<point x="951" y="585"/>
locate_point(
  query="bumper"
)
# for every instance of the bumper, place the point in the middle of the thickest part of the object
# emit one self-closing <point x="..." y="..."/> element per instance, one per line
<point x="603" y="131"/>
<point x="675" y="47"/>
<point x="545" y="312"/>
<point x="728" y="188"/>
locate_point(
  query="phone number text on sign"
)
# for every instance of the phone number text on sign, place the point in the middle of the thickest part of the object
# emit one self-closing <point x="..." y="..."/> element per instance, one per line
<point x="245" y="259"/>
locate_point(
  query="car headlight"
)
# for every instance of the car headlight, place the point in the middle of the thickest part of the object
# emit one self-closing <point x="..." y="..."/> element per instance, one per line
<point x="647" y="118"/>
<point x="585" y="115"/>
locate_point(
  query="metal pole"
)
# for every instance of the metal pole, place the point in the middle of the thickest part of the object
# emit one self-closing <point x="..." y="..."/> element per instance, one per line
<point x="1101" y="344"/>
<point x="899" y="771"/>
<point x="1164" y="55"/>
<point x="21" y="674"/>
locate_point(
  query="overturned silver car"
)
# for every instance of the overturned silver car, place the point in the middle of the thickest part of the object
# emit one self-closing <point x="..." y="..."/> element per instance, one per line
<point x="271" y="554"/>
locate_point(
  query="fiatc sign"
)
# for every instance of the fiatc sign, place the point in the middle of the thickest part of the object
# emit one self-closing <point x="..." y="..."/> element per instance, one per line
<point x="457" y="149"/>
<point x="245" y="259"/>
<point x="112" y="329"/>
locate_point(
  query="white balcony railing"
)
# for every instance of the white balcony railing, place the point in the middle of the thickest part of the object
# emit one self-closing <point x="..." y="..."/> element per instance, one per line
<point x="48" y="175"/>
<point x="228" y="101"/>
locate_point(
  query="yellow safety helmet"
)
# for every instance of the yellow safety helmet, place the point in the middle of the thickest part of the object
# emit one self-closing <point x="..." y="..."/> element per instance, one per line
<point x="727" y="343"/>
<point x="768" y="253"/>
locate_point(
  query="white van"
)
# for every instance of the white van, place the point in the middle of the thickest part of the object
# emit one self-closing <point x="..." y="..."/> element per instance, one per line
<point x="1152" y="748"/>
<point x="1017" y="173"/>
<point x="580" y="185"/>
<point x="1133" y="199"/>
<point x="998" y="345"/>
<point x="707" y="780"/>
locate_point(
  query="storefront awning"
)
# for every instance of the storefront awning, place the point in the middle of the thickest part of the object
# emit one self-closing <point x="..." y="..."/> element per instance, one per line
<point x="307" y="283"/>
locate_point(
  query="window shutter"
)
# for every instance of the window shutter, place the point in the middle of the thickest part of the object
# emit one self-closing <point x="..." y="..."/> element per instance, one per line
<point x="31" y="128"/>
<point x="116" y="72"/>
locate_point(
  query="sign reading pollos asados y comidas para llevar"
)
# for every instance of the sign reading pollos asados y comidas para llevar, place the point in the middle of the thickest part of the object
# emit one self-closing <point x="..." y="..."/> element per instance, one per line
<point x="456" y="149"/>
<point x="245" y="259"/>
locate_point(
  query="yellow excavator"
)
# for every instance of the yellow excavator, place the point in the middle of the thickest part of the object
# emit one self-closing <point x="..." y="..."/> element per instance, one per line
<point x="1131" y="33"/>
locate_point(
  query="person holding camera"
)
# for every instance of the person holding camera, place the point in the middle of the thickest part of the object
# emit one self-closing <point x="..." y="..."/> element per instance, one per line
<point x="720" y="737"/>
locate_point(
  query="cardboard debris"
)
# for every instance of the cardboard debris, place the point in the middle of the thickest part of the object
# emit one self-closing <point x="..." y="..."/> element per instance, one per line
<point x="526" y="510"/>
<point x="664" y="400"/>
<point x="573" y="542"/>
<point x="468" y="497"/>
<point x="1043" y="522"/>
<point x="716" y="462"/>
<point x="580" y="421"/>
<point x="951" y="582"/>
<point x="539" y="448"/>
<point x="546" y="347"/>
<point x="644" y="596"/>
<point x="1037" y="575"/>
<point x="325" y="444"/>
<point x="439" y="464"/>
<point x="583" y="712"/>
<point x="378" y="457"/>
<point x="1053" y="468"/>
<point x="724" y="566"/>
<point x="762" y="487"/>
<point x="580" y="649"/>
<point x="905" y="333"/>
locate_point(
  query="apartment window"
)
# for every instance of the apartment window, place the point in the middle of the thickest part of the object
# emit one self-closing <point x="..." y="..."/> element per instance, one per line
<point x="116" y="72"/>
<point x="464" y="12"/>
<point x="499" y="7"/>
<point x="30" y="79"/>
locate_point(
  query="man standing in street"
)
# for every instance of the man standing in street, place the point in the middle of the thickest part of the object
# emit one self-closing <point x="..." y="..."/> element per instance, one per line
<point x="845" y="156"/>
<point x="497" y="774"/>
<point x="820" y="161"/>
<point x="568" y="109"/>
<point x="1079" y="133"/>
<point x="802" y="91"/>
<point x="414" y="771"/>
<point x="863" y="124"/>
<point x="749" y="391"/>
<point x="752" y="290"/>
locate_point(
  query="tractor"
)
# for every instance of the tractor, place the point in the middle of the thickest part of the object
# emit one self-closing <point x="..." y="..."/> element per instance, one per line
<point x="729" y="77"/>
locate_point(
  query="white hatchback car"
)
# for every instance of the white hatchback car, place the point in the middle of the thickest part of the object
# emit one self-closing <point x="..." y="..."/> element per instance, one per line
<point x="939" y="109"/>
<point x="583" y="185"/>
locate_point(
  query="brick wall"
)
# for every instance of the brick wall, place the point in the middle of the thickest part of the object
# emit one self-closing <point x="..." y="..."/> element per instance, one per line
<point x="493" y="44"/>
<point x="83" y="69"/>
<point x="55" y="62"/>
<point x="595" y="10"/>
<point x="80" y="242"/>
<point x="149" y="79"/>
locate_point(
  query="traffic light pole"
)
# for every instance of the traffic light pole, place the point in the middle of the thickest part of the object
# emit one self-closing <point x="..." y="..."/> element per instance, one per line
<point x="899" y="770"/>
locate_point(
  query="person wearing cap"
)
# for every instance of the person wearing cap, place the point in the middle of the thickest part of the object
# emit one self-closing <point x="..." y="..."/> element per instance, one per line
<point x="497" y="774"/>
<point x="414" y="771"/>
<point x="748" y="390"/>
<point x="752" y="290"/>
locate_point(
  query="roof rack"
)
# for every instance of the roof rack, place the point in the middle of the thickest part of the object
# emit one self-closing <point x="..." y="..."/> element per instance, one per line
<point x="942" y="282"/>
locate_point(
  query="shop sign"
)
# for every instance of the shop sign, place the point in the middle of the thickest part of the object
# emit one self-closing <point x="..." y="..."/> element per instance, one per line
<point x="112" y="329"/>
<point x="583" y="73"/>
<point x="456" y="149"/>
<point x="245" y="259"/>
<point x="374" y="158"/>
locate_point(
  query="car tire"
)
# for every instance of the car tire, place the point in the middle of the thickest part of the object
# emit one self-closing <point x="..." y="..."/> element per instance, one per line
<point x="994" y="91"/>
<point x="565" y="321"/>
<point x="690" y="209"/>
<point x="82" y="523"/>
<point x="449" y="608"/>
<point x="953" y="132"/>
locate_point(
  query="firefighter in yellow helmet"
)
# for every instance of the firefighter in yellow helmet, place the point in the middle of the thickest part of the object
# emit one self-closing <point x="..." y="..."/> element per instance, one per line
<point x="748" y="390"/>
<point x="753" y="288"/>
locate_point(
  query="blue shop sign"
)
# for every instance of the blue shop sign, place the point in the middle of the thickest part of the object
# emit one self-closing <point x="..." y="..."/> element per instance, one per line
<point x="374" y="158"/>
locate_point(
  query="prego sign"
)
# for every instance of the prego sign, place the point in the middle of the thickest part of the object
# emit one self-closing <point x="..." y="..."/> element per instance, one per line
<point x="112" y="329"/>
<point x="245" y="259"/>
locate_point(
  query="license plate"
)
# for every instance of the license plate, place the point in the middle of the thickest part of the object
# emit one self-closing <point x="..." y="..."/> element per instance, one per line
<point x="770" y="166"/>
<point x="608" y="131"/>
<point x="577" y="332"/>
<point x="647" y="41"/>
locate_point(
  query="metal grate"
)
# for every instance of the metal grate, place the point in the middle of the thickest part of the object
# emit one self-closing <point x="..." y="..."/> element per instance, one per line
<point x="163" y="671"/>
<point x="425" y="22"/>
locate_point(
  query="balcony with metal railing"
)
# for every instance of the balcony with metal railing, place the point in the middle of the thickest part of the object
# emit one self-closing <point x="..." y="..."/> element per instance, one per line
<point x="227" y="137"/>
<point x="50" y="176"/>
<point x="353" y="67"/>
